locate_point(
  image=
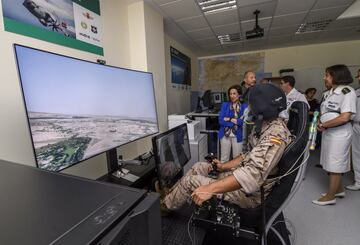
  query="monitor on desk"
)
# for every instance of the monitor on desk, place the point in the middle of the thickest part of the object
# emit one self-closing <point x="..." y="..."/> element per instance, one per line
<point x="172" y="152"/>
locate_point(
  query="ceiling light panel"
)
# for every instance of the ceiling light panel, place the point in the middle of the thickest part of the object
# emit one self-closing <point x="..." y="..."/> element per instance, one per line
<point x="230" y="38"/>
<point x="267" y="9"/>
<point x="215" y="6"/>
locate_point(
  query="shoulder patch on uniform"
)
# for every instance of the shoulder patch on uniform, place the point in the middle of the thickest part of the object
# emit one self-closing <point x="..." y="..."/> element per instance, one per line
<point x="345" y="90"/>
<point x="275" y="141"/>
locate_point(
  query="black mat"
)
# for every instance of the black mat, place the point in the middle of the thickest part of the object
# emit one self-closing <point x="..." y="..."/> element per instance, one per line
<point x="175" y="228"/>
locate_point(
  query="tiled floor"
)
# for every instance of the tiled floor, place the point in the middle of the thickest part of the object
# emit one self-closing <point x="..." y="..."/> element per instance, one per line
<point x="330" y="225"/>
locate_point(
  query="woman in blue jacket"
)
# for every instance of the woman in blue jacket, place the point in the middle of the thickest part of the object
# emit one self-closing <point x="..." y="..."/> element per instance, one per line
<point x="231" y="124"/>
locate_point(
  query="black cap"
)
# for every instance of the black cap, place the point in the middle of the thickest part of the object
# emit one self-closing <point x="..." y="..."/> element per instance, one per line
<point x="266" y="100"/>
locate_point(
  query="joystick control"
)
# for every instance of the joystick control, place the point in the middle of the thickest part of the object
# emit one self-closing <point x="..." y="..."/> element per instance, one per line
<point x="218" y="214"/>
<point x="214" y="172"/>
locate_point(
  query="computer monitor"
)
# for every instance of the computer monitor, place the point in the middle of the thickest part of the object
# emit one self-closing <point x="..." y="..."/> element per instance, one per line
<point x="172" y="151"/>
<point x="207" y="99"/>
<point x="78" y="109"/>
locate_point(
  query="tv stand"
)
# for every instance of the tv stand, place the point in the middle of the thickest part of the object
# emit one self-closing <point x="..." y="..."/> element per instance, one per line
<point x="139" y="176"/>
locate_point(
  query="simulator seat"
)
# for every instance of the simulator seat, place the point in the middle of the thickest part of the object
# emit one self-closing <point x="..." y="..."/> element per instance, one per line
<point x="255" y="223"/>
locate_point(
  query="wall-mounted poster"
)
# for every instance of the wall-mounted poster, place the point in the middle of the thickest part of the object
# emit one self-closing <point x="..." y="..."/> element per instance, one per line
<point x="71" y="23"/>
<point x="180" y="67"/>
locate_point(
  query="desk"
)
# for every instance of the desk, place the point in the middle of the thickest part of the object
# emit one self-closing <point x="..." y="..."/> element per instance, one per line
<point x="203" y="114"/>
<point x="209" y="124"/>
<point x="146" y="174"/>
<point x="202" y="117"/>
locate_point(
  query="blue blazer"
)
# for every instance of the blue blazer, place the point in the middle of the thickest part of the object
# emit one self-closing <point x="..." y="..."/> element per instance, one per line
<point x="227" y="112"/>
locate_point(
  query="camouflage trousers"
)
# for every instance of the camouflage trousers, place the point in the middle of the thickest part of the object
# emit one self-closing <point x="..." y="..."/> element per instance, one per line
<point x="197" y="176"/>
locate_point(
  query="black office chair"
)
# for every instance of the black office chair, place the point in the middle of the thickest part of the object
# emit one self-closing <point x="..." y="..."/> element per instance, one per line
<point x="292" y="167"/>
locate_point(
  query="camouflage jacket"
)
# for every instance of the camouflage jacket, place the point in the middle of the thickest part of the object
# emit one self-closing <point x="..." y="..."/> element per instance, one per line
<point x="263" y="157"/>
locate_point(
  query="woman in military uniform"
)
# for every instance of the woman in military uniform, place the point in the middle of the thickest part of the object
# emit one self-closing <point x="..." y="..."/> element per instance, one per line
<point x="337" y="110"/>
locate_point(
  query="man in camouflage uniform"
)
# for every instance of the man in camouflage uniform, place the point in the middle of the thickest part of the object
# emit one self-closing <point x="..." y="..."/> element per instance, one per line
<point x="241" y="178"/>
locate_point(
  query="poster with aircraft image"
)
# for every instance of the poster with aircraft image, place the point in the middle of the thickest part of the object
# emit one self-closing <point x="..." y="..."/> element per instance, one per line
<point x="71" y="23"/>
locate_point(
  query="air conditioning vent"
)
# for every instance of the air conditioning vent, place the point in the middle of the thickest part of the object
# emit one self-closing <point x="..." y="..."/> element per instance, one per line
<point x="313" y="26"/>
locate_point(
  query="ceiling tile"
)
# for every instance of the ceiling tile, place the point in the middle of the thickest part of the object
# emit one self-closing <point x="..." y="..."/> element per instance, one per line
<point x="233" y="47"/>
<point x="305" y="41"/>
<point x="223" y="18"/>
<point x="288" y="20"/>
<point x="331" y="3"/>
<point x="212" y="48"/>
<point x="280" y="39"/>
<point x="344" y="23"/>
<point x="328" y="13"/>
<point x="255" y="42"/>
<point x="227" y="29"/>
<point x="289" y="30"/>
<point x="172" y="29"/>
<point x="193" y="23"/>
<point x="293" y="6"/>
<point x="267" y="9"/>
<point x="184" y="22"/>
<point x="307" y="36"/>
<point x="181" y="9"/>
<point x="159" y="2"/>
<point x="244" y="3"/>
<point x="200" y="33"/>
<point x="208" y="42"/>
<point x="350" y="31"/>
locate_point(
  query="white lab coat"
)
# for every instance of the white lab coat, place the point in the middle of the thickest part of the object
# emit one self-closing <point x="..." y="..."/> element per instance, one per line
<point x="356" y="140"/>
<point x="336" y="141"/>
<point x="291" y="97"/>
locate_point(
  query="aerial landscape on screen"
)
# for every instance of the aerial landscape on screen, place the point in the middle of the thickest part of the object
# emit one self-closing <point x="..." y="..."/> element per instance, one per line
<point x="61" y="140"/>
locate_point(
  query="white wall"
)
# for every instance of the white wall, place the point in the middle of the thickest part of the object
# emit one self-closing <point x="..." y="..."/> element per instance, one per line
<point x="119" y="43"/>
<point x="178" y="101"/>
<point x="147" y="52"/>
<point x="309" y="58"/>
<point x="156" y="61"/>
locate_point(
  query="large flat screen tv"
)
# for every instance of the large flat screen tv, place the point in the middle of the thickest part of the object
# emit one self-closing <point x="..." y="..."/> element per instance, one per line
<point x="78" y="109"/>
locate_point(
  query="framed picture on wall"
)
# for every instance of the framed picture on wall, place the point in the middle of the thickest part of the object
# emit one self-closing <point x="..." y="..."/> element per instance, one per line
<point x="217" y="98"/>
<point x="180" y="67"/>
<point x="71" y="23"/>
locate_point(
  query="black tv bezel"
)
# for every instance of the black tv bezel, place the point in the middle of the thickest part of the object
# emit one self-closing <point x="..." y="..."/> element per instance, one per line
<point x="27" y="115"/>
<point x="155" y="149"/>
